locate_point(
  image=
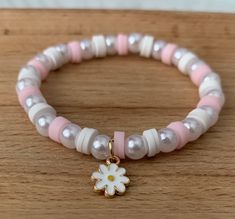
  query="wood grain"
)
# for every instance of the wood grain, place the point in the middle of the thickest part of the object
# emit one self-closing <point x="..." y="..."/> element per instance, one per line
<point x="41" y="179"/>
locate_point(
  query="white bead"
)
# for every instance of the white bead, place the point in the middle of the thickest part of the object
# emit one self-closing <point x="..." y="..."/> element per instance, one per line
<point x="30" y="101"/>
<point x="195" y="128"/>
<point x="68" y="135"/>
<point x="40" y="109"/>
<point x="178" y="54"/>
<point x="146" y="46"/>
<point x="185" y="61"/>
<point x="24" y="83"/>
<point x="202" y="116"/>
<point x="214" y="115"/>
<point x="136" y="147"/>
<point x="43" y="122"/>
<point x="209" y="85"/>
<point x="157" y="49"/>
<point x="153" y="141"/>
<point x="110" y="42"/>
<point x="99" y="46"/>
<point x="100" y="147"/>
<point x="45" y="60"/>
<point x="84" y="139"/>
<point x="86" y="49"/>
<point x="134" y="40"/>
<point x="29" y="72"/>
<point x="168" y="140"/>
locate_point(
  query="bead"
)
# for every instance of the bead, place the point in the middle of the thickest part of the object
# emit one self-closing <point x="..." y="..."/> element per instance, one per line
<point x="122" y="44"/>
<point x="195" y="128"/>
<point x="84" y="139"/>
<point x="25" y="83"/>
<point x="181" y="131"/>
<point x="168" y="140"/>
<point x="56" y="128"/>
<point x="86" y="49"/>
<point x="64" y="52"/>
<point x="28" y="91"/>
<point x="153" y="141"/>
<point x="75" y="55"/>
<point x="110" y="42"/>
<point x="99" y="46"/>
<point x="167" y="53"/>
<point x="134" y="40"/>
<point x="43" y="122"/>
<point x="146" y="46"/>
<point x="40" y="109"/>
<point x="100" y="147"/>
<point x="212" y="101"/>
<point x="118" y="144"/>
<point x="44" y="60"/>
<point x="157" y="49"/>
<point x="68" y="135"/>
<point x="135" y="147"/>
<point x="32" y="100"/>
<point x="219" y="94"/>
<point x="30" y="72"/>
<point x="187" y="58"/>
<point x="178" y="54"/>
<point x="213" y="114"/>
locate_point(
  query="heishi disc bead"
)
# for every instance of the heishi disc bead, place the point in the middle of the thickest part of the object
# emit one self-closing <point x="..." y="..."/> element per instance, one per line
<point x="122" y="44"/>
<point x="119" y="144"/>
<point x="84" y="139"/>
<point x="167" y="53"/>
<point x="146" y="46"/>
<point x="99" y="46"/>
<point x="212" y="101"/>
<point x="75" y="55"/>
<point x="185" y="61"/>
<point x="39" y="109"/>
<point x="152" y="138"/>
<point x="29" y="72"/>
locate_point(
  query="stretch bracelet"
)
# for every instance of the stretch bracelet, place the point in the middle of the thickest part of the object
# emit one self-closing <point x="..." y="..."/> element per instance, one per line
<point x="111" y="178"/>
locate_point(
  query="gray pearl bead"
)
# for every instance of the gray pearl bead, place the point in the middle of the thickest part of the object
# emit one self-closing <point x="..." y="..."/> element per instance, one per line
<point x="178" y="54"/>
<point x="168" y="140"/>
<point x="64" y="52"/>
<point x="110" y="42"/>
<point x="134" y="40"/>
<point x="100" y="148"/>
<point x="24" y="83"/>
<point x="193" y="65"/>
<point x="157" y="49"/>
<point x="135" y="147"/>
<point x="30" y="101"/>
<point x="86" y="49"/>
<point x="195" y="128"/>
<point x="43" y="123"/>
<point x="211" y="77"/>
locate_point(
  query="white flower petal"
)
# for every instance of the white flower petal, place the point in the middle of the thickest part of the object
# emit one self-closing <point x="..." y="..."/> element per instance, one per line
<point x="110" y="190"/>
<point x="113" y="167"/>
<point x="100" y="185"/>
<point x="124" y="179"/>
<point x="120" y="188"/>
<point x="121" y="171"/>
<point x="97" y="175"/>
<point x="103" y="168"/>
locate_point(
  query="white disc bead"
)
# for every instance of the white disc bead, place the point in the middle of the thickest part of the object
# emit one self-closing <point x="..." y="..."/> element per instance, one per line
<point x="186" y="59"/>
<point x="29" y="72"/>
<point x="153" y="141"/>
<point x="99" y="46"/>
<point x="146" y="46"/>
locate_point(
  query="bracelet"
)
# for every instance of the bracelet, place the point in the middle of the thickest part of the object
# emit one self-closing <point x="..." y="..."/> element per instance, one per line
<point x="111" y="178"/>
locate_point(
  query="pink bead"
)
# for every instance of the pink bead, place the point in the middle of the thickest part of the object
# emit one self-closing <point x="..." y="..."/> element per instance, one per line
<point x="199" y="73"/>
<point x="181" y="131"/>
<point x="167" y="53"/>
<point x="56" y="127"/>
<point x="122" y="44"/>
<point x="119" y="143"/>
<point x="42" y="70"/>
<point x="213" y="101"/>
<point x="74" y="52"/>
<point x="28" y="91"/>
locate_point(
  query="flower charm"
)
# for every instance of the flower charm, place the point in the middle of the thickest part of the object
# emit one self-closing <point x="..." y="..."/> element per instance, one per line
<point x="110" y="179"/>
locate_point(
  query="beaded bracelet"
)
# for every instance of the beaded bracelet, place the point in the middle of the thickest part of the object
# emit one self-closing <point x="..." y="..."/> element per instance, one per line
<point x="111" y="178"/>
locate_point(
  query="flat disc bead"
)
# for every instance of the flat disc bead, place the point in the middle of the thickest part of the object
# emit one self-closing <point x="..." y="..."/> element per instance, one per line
<point x="146" y="46"/>
<point x="74" y="52"/>
<point x="39" y="109"/>
<point x="122" y="44"/>
<point x="29" y="72"/>
<point x="185" y="61"/>
<point x="167" y="53"/>
<point x="119" y="144"/>
<point x="99" y="46"/>
<point x="153" y="141"/>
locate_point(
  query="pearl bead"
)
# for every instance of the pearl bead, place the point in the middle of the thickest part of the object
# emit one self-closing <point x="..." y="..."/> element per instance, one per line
<point x="32" y="100"/>
<point x="64" y="51"/>
<point x="178" y="54"/>
<point x="212" y="113"/>
<point x="68" y="135"/>
<point x="135" y="147"/>
<point x="47" y="63"/>
<point x="100" y="147"/>
<point x="195" y="128"/>
<point x="24" y="83"/>
<point x="168" y="140"/>
<point x="192" y="66"/>
<point x="211" y="77"/>
<point x="86" y="49"/>
<point x="157" y="49"/>
<point x="134" y="40"/>
<point x="43" y="122"/>
<point x="110" y="42"/>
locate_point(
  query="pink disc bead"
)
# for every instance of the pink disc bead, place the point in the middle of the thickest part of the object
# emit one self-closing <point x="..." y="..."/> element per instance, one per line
<point x="56" y="127"/>
<point x="41" y="69"/>
<point x="75" y="55"/>
<point x="181" y="131"/>
<point x="122" y="44"/>
<point x="167" y="53"/>
<point x="213" y="101"/>
<point x="199" y="73"/>
<point x="119" y="143"/>
<point x="28" y="91"/>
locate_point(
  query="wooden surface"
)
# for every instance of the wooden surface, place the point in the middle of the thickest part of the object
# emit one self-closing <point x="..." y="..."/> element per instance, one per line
<point x="42" y="179"/>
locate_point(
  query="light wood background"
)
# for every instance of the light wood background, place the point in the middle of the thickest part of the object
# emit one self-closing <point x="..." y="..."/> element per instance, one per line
<point x="42" y="179"/>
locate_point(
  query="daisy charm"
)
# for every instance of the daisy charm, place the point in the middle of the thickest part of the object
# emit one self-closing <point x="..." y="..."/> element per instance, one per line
<point x="110" y="179"/>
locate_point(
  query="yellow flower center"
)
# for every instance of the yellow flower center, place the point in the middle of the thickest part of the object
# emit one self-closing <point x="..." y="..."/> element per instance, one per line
<point x="111" y="178"/>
